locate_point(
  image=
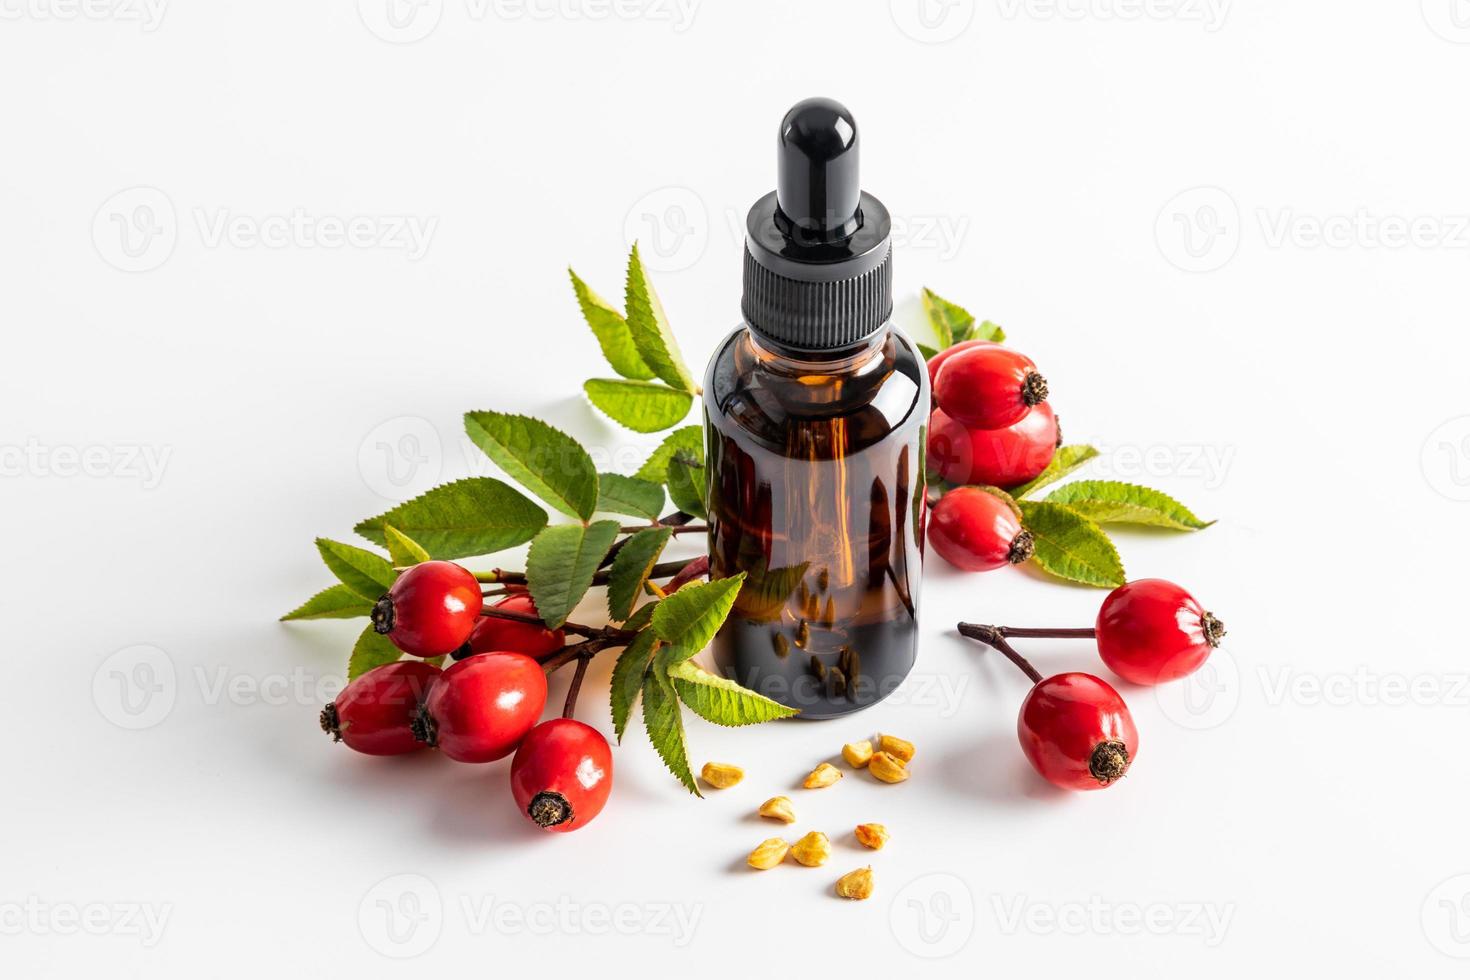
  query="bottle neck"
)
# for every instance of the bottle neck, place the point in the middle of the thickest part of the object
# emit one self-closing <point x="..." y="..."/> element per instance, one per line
<point x="848" y="360"/>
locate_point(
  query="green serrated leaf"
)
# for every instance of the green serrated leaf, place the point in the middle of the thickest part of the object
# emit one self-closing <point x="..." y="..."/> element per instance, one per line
<point x="630" y="569"/>
<point x="987" y="330"/>
<point x="686" y="485"/>
<point x="650" y="328"/>
<point x="402" y="549"/>
<point x="476" y="516"/>
<point x="928" y="352"/>
<point x="950" y="321"/>
<point x="336" y="602"/>
<point x="561" y="563"/>
<point x="722" y="701"/>
<point x="642" y="406"/>
<point x="617" y="494"/>
<point x="1072" y="547"/>
<point x="612" y="332"/>
<point x="372" y="649"/>
<point x="690" y="617"/>
<point x="689" y="439"/>
<point x="628" y="676"/>
<point x="665" y="727"/>
<point x="1110" y="502"/>
<point x="1067" y="459"/>
<point x="543" y="459"/>
<point x="641" y="617"/>
<point x="363" y="572"/>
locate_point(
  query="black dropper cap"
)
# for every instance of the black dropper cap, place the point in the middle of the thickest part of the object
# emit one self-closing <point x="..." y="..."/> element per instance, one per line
<point x="818" y="251"/>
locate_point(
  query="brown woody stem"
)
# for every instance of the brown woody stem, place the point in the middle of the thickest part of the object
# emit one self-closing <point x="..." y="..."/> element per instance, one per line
<point x="570" y="708"/>
<point x="991" y="636"/>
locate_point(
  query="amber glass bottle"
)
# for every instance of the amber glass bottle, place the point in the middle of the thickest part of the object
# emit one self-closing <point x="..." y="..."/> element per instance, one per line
<point x="815" y="410"/>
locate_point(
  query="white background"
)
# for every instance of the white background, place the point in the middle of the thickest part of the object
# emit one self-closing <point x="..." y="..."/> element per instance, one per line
<point x="1273" y="349"/>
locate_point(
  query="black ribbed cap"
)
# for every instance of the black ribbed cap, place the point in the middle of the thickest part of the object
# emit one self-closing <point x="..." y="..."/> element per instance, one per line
<point x="818" y="251"/>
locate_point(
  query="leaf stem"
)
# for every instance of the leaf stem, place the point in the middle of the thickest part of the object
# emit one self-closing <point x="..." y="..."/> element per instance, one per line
<point x="519" y="578"/>
<point x="675" y="528"/>
<point x="677" y="519"/>
<point x="992" y="636"/>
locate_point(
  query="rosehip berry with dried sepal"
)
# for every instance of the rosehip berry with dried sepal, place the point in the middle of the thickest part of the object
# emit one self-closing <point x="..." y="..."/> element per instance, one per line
<point x="948" y="352"/>
<point x="495" y="635"/>
<point x="430" y="609"/>
<point x="988" y="387"/>
<point x="976" y="531"/>
<point x="1076" y="731"/>
<point x="482" y="706"/>
<point x="1005" y="457"/>
<point x="375" y="713"/>
<point x="562" y="774"/>
<point x="1151" y="631"/>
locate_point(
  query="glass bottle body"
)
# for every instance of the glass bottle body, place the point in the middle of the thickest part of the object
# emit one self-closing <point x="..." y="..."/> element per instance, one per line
<point x="816" y="492"/>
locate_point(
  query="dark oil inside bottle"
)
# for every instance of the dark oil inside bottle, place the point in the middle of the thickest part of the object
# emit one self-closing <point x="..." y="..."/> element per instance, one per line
<point x="816" y="492"/>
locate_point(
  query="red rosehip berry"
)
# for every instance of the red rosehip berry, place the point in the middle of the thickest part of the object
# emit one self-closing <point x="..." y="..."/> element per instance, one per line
<point x="988" y="387"/>
<point x="374" y="714"/>
<point x="1076" y="731"/>
<point x="1005" y="457"/>
<point x="430" y="610"/>
<point x="482" y="706"/>
<point x="492" y="635"/>
<point x="948" y="352"/>
<point x="1150" y="631"/>
<point x="977" y="531"/>
<point x="562" y="774"/>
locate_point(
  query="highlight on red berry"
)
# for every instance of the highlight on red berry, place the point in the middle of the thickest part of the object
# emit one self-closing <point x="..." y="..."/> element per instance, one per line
<point x="988" y="387"/>
<point x="1076" y="732"/>
<point x="948" y="352"/>
<point x="430" y="609"/>
<point x="374" y="714"/>
<point x="1004" y="458"/>
<point x="482" y="706"/>
<point x="1150" y="631"/>
<point x="976" y="531"/>
<point x="497" y="635"/>
<point x="562" y="774"/>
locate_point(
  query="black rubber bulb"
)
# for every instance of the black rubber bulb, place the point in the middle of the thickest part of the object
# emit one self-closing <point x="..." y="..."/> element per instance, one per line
<point x="817" y="189"/>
